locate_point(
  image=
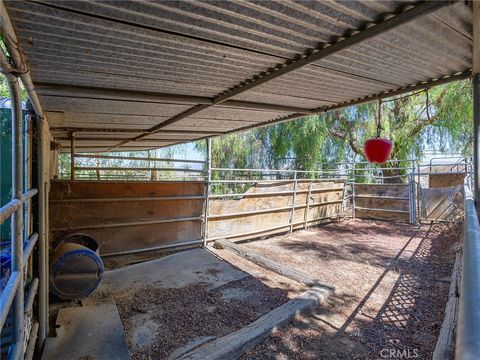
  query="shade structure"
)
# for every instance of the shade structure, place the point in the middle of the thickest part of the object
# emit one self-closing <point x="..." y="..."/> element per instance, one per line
<point x="129" y="75"/>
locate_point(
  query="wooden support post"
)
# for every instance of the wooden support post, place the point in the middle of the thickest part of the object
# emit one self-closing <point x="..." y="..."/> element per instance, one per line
<point x="445" y="348"/>
<point x="270" y="264"/>
<point x="72" y="156"/>
<point x="233" y="345"/>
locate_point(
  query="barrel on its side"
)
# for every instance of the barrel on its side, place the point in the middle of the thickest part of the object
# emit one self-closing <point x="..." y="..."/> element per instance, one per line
<point x="76" y="270"/>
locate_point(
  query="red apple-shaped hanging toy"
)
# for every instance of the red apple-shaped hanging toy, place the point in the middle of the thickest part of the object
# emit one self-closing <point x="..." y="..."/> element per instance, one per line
<point x="378" y="150"/>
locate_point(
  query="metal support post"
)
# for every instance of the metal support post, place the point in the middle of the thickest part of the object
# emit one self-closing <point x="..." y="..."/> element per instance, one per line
<point x="476" y="135"/>
<point x="207" y="192"/>
<point x="292" y="211"/>
<point x="42" y="244"/>
<point x="307" y="209"/>
<point x="410" y="198"/>
<point x="72" y="156"/>
<point x="353" y="199"/>
<point x="476" y="98"/>
<point x="344" y="194"/>
<point x="414" y="193"/>
<point x="18" y="328"/>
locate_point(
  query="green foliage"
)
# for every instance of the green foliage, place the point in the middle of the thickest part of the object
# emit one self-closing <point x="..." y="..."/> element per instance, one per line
<point x="339" y="135"/>
<point x="168" y="153"/>
<point x="5" y="92"/>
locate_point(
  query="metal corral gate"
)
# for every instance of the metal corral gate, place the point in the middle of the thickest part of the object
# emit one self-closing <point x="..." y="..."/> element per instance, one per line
<point x="431" y="192"/>
<point x="440" y="189"/>
<point x="384" y="201"/>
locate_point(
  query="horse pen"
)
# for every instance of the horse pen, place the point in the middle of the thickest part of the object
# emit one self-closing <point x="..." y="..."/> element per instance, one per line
<point x="179" y="258"/>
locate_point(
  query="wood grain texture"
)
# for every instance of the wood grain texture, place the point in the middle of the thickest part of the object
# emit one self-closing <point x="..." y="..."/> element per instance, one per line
<point x="371" y="199"/>
<point x="71" y="214"/>
<point x="322" y="192"/>
<point x="445" y="347"/>
<point x="441" y="203"/>
<point x="381" y="215"/>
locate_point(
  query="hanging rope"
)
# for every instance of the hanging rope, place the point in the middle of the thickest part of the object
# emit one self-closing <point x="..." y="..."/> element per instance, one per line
<point x="379" y="115"/>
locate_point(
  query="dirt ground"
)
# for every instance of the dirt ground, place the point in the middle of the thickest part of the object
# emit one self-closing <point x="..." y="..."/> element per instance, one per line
<point x="391" y="283"/>
<point x="172" y="318"/>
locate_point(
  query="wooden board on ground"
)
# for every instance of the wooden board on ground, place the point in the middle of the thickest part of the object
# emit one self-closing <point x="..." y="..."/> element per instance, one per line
<point x="445" y="348"/>
<point x="274" y="266"/>
<point x="233" y="345"/>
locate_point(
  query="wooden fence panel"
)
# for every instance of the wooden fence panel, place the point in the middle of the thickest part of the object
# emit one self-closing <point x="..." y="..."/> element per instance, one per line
<point x="121" y="218"/>
<point x="325" y="199"/>
<point x="382" y="201"/>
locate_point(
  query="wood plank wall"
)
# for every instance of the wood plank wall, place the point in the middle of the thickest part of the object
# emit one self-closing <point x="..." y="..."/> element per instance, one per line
<point x="382" y="201"/>
<point x="125" y="203"/>
<point x="325" y="199"/>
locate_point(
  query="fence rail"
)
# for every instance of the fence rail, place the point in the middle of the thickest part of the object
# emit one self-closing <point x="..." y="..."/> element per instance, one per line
<point x="468" y="334"/>
<point x="13" y="302"/>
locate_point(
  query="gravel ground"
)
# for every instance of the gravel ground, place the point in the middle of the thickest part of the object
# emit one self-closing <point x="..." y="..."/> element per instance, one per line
<point x="391" y="283"/>
<point x="159" y="321"/>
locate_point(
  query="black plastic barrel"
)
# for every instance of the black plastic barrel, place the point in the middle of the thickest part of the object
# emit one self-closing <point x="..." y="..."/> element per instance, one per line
<point x="76" y="269"/>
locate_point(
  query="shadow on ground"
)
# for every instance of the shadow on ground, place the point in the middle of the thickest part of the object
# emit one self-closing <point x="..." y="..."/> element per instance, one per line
<point x="407" y="323"/>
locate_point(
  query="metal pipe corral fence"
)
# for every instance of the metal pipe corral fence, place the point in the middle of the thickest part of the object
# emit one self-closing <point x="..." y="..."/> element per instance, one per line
<point x="12" y="297"/>
<point x="468" y="328"/>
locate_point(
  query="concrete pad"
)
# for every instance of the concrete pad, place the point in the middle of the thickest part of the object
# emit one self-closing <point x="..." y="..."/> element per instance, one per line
<point x="196" y="266"/>
<point x="89" y="332"/>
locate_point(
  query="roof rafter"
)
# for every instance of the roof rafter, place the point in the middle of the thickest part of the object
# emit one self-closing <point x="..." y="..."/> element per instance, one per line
<point x="151" y="97"/>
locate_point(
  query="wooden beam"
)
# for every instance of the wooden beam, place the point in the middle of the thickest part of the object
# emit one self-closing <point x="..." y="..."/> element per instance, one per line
<point x="445" y="348"/>
<point x="233" y="345"/>
<point x="271" y="265"/>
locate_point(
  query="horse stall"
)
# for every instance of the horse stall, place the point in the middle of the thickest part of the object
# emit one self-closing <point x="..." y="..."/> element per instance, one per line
<point x="176" y="259"/>
<point x="271" y="207"/>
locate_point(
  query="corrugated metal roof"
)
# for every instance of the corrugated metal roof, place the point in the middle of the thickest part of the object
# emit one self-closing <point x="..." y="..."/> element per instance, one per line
<point x="202" y="49"/>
